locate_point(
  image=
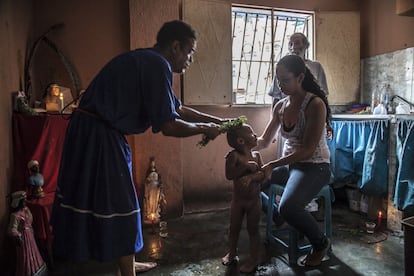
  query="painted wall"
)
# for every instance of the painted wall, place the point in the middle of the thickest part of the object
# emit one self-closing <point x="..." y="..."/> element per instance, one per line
<point x="382" y="30"/>
<point x="15" y="30"/>
<point x="91" y="35"/>
<point x="167" y="151"/>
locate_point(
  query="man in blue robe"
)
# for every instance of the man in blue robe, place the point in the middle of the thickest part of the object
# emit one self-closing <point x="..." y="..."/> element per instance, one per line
<point x="96" y="215"/>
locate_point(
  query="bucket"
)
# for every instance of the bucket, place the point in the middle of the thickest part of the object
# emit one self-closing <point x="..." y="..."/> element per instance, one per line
<point x="354" y="197"/>
<point x="408" y="224"/>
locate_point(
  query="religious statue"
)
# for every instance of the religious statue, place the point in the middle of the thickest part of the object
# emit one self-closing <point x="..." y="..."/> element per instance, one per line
<point x="35" y="179"/>
<point x="53" y="99"/>
<point x="22" y="104"/>
<point x="28" y="258"/>
<point x="153" y="195"/>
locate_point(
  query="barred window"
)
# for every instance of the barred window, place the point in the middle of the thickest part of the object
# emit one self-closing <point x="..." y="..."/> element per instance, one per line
<point x="260" y="37"/>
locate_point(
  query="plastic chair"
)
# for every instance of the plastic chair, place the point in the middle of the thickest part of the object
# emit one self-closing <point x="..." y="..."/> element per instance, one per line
<point x="278" y="235"/>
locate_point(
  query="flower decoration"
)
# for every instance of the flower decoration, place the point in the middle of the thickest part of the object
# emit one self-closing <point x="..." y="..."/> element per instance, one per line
<point x="225" y="127"/>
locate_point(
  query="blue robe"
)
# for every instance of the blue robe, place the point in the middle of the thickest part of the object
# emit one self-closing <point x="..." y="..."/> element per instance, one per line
<point x="96" y="215"/>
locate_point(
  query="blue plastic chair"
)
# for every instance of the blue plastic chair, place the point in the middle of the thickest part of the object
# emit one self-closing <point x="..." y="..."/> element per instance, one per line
<point x="278" y="235"/>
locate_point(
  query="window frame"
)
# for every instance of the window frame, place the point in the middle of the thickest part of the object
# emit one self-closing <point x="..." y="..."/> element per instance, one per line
<point x="268" y="76"/>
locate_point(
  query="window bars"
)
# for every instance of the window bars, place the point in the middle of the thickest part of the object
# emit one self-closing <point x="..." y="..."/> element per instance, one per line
<point x="260" y="37"/>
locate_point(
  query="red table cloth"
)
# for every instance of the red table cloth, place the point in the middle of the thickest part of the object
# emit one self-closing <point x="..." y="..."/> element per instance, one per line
<point x="39" y="138"/>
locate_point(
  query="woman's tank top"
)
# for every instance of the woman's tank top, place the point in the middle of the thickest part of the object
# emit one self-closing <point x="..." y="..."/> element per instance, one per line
<point x="294" y="136"/>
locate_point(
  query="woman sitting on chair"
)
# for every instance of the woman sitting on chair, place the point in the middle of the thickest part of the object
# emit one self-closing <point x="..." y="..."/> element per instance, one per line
<point x="304" y="166"/>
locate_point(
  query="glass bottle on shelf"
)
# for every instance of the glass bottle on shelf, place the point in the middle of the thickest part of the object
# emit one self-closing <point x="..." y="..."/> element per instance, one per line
<point x="381" y="97"/>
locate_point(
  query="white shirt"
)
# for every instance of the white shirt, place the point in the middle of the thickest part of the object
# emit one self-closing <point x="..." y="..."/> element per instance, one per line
<point x="294" y="136"/>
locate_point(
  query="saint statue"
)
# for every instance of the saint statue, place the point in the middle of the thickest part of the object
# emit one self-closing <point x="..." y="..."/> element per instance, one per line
<point x="52" y="98"/>
<point x="35" y="179"/>
<point x="28" y="258"/>
<point x="153" y="195"/>
<point x="22" y="104"/>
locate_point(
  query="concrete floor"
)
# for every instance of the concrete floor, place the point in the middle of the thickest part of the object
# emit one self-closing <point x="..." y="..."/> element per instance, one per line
<point x="197" y="241"/>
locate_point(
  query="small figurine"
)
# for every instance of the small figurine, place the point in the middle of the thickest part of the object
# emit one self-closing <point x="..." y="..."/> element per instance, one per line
<point x="22" y="104"/>
<point x="152" y="195"/>
<point x="52" y="98"/>
<point x="35" y="179"/>
<point x="28" y="261"/>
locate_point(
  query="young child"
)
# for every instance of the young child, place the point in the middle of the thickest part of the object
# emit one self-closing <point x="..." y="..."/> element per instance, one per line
<point x="243" y="166"/>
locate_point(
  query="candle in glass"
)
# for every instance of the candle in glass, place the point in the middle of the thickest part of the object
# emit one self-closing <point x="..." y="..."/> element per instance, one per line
<point x="379" y="219"/>
<point x="61" y="101"/>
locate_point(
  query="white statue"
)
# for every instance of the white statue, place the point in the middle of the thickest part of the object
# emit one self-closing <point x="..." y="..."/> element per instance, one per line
<point x="152" y="195"/>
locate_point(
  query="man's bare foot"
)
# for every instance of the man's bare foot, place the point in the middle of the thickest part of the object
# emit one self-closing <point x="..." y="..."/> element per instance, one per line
<point x="229" y="260"/>
<point x="249" y="266"/>
<point x="144" y="266"/>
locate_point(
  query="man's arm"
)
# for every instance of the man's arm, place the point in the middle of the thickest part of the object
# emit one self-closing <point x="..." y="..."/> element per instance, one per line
<point x="181" y="128"/>
<point x="191" y="115"/>
<point x="318" y="72"/>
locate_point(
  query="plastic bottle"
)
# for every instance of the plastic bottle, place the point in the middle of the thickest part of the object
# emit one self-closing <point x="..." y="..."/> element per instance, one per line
<point x="380" y="110"/>
<point x="375" y="99"/>
<point x="402" y="109"/>
<point x="385" y="97"/>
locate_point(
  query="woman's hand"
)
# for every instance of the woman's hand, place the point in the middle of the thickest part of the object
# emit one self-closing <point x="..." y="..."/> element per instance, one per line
<point x="246" y="181"/>
<point x="252" y="166"/>
<point x="329" y="132"/>
<point x="260" y="144"/>
<point x="267" y="170"/>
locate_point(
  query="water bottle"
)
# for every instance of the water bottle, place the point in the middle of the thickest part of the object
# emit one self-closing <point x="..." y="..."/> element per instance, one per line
<point x="402" y="109"/>
<point x="375" y="99"/>
<point x="386" y="96"/>
<point x="380" y="110"/>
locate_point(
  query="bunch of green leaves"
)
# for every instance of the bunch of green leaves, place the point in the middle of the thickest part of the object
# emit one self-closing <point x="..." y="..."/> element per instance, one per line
<point x="225" y="127"/>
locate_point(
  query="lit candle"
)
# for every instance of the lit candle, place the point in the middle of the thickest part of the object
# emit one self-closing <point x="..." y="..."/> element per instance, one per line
<point x="379" y="219"/>
<point x="61" y="101"/>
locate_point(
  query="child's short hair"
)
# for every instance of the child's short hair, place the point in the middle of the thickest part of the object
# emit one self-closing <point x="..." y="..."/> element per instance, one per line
<point x="233" y="134"/>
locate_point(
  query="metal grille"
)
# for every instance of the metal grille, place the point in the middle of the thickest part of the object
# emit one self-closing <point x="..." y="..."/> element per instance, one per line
<point x="260" y="38"/>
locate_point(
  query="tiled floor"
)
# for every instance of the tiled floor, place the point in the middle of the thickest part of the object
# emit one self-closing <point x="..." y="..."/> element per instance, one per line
<point x="197" y="241"/>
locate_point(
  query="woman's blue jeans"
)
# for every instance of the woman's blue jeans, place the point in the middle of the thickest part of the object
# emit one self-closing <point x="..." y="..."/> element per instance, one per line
<point x="302" y="182"/>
